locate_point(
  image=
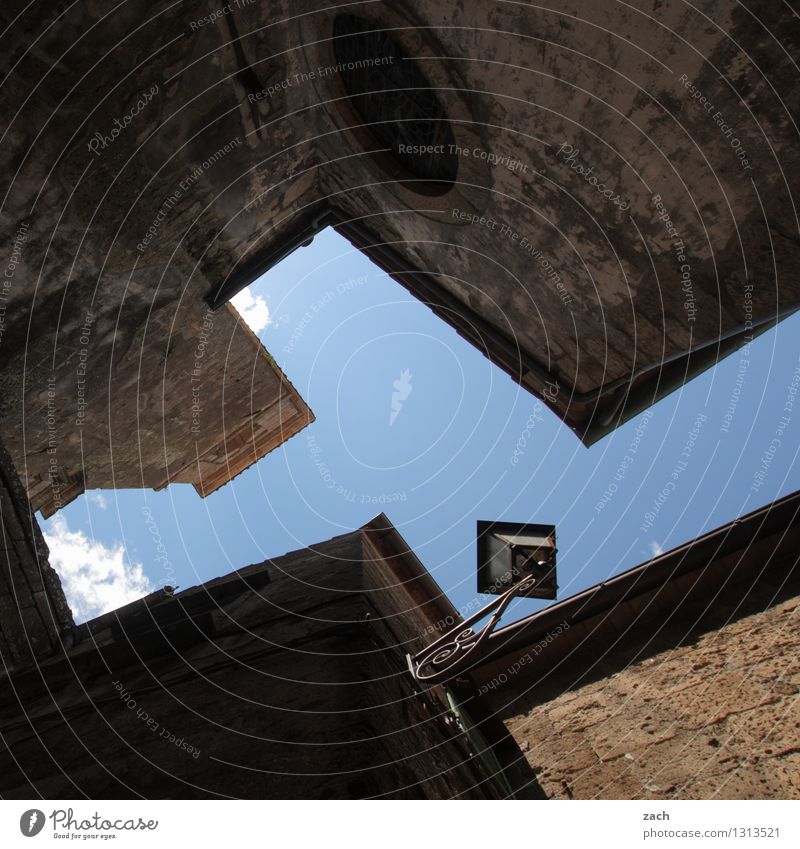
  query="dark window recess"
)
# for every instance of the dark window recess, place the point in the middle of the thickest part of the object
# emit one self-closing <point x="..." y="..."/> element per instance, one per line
<point x="394" y="99"/>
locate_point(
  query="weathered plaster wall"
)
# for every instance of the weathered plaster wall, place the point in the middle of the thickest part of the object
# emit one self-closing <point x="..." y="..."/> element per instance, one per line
<point x="609" y="80"/>
<point x="193" y="398"/>
<point x="235" y="139"/>
<point x="127" y="163"/>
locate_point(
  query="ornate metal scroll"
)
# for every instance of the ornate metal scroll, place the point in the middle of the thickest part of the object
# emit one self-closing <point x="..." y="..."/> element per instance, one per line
<point x="448" y="655"/>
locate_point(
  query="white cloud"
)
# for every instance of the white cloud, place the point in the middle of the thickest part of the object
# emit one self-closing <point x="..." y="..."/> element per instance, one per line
<point x="253" y="309"/>
<point x="96" y="578"/>
<point x="98" y="499"/>
<point x="656" y="549"/>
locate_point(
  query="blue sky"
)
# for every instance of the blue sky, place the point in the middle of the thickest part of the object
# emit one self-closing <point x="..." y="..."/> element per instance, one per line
<point x="461" y="442"/>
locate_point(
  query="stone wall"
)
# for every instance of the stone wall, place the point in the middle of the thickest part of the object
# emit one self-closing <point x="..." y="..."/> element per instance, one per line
<point x="678" y="678"/>
<point x="33" y="609"/>
<point x="718" y="718"/>
<point x="285" y="679"/>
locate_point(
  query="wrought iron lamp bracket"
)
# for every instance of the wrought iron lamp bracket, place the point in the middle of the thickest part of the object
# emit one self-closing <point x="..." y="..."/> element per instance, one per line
<point x="450" y="654"/>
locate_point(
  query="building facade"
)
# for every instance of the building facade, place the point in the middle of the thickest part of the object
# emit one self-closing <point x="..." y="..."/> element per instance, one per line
<point x="290" y="679"/>
<point x="602" y="216"/>
<point x="286" y="679"/>
<point x="675" y="680"/>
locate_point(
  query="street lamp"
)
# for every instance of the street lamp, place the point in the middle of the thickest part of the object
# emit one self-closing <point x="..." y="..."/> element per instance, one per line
<point x="513" y="560"/>
<point x="508" y="552"/>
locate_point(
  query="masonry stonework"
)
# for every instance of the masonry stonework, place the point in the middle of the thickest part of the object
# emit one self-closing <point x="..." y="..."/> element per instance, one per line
<point x="285" y="679"/>
<point x="719" y="718"/>
<point x="33" y="609"/>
